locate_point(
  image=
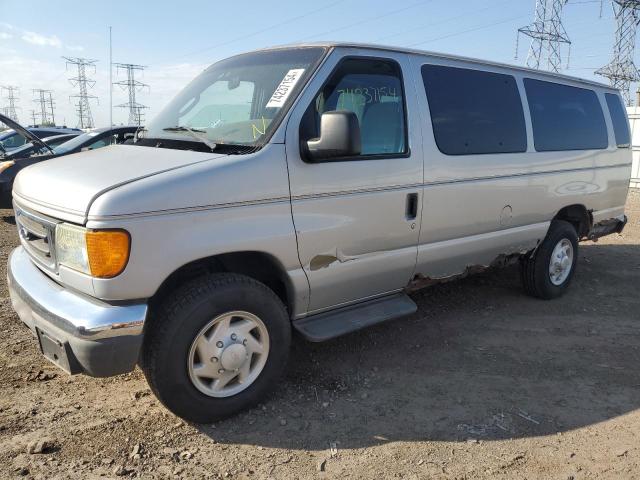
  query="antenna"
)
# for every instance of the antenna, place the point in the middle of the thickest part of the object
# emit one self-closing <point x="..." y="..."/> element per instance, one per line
<point x="132" y="85"/>
<point x="547" y="35"/>
<point x="10" y="108"/>
<point x="622" y="71"/>
<point x="85" y="119"/>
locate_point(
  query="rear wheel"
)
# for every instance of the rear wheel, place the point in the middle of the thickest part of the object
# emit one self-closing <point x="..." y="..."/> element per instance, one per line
<point x="216" y="346"/>
<point x="547" y="272"/>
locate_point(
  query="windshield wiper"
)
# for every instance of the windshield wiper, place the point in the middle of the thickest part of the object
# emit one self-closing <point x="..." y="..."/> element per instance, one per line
<point x="195" y="133"/>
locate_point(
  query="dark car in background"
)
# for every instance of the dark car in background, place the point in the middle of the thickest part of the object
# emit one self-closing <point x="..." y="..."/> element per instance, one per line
<point x="97" y="138"/>
<point x="30" y="149"/>
<point x="11" y="139"/>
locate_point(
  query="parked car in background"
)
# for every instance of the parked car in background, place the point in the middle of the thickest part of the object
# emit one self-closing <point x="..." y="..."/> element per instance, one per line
<point x="12" y="138"/>
<point x="30" y="149"/>
<point x="308" y="188"/>
<point x="97" y="138"/>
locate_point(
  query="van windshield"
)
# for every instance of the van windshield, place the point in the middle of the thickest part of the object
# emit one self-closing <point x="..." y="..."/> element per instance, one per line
<point x="237" y="101"/>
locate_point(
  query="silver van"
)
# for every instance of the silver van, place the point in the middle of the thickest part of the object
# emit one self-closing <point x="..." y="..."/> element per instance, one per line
<point x="307" y="188"/>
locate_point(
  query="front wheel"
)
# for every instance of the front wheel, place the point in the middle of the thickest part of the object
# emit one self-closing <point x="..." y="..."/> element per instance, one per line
<point x="216" y="347"/>
<point x="547" y="272"/>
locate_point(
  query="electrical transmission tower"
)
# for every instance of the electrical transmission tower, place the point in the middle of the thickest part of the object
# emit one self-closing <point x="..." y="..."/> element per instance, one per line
<point x="621" y="71"/>
<point x="10" y="108"/>
<point x="45" y="99"/>
<point x="132" y="85"/>
<point x="85" y="119"/>
<point x="547" y="35"/>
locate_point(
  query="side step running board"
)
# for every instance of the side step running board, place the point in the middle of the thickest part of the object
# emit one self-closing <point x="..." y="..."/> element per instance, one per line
<point x="324" y="326"/>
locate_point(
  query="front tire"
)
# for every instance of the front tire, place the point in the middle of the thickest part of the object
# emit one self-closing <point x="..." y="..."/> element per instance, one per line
<point x="216" y="347"/>
<point x="547" y="272"/>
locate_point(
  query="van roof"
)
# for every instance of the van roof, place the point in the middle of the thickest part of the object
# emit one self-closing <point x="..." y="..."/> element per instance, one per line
<point x="543" y="73"/>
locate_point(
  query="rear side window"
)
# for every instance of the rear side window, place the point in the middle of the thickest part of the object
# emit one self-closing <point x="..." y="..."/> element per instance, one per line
<point x="564" y="117"/>
<point x="474" y="112"/>
<point x="619" y="120"/>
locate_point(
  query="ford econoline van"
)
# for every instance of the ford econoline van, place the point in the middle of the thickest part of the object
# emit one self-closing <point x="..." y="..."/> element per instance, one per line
<point x="307" y="188"/>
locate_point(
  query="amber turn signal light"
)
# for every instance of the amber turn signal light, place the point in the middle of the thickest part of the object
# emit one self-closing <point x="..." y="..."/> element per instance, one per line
<point x="107" y="252"/>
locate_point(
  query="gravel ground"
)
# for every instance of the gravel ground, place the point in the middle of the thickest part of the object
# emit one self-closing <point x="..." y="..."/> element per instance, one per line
<point x="481" y="382"/>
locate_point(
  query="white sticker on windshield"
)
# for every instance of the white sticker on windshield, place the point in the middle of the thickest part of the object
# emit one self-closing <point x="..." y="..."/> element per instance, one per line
<point x="284" y="89"/>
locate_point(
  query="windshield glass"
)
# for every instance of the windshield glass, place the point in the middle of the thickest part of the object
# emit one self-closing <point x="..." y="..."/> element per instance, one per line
<point x="74" y="142"/>
<point x="239" y="100"/>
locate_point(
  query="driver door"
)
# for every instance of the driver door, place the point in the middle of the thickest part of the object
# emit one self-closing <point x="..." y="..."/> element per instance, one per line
<point x="357" y="219"/>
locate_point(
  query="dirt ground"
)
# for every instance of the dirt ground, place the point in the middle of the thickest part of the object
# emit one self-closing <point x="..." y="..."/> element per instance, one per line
<point x="481" y="382"/>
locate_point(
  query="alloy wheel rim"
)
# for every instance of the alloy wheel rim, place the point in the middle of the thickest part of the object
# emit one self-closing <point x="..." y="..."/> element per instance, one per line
<point x="561" y="262"/>
<point x="228" y="354"/>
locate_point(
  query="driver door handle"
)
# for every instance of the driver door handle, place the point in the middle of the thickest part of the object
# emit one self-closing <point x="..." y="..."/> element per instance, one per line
<point x="411" y="211"/>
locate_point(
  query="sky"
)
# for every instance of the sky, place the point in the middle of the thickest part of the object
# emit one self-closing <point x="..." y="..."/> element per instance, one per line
<point x="177" y="40"/>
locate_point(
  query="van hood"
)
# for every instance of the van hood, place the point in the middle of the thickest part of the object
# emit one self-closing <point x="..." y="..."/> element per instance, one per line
<point x="65" y="187"/>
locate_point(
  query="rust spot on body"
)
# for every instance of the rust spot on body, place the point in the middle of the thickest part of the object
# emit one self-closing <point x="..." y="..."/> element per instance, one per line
<point x="421" y="281"/>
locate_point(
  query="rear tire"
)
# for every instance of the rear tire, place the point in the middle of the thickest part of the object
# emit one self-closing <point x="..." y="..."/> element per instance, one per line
<point x="547" y="272"/>
<point x="216" y="346"/>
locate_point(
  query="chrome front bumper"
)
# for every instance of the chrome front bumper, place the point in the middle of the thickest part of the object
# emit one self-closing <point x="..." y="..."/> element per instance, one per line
<point x="78" y="333"/>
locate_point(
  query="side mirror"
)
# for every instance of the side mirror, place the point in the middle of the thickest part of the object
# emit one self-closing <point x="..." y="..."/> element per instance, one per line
<point x="339" y="137"/>
<point x="85" y="149"/>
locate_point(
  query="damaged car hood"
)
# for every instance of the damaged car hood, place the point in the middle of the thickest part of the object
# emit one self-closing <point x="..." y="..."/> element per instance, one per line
<point x="66" y="187"/>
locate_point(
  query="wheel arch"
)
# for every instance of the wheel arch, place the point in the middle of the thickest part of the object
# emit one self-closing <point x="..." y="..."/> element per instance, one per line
<point x="577" y="215"/>
<point x="260" y="266"/>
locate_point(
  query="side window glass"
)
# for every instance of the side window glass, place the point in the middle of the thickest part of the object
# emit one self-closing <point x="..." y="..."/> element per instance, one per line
<point x="474" y="112"/>
<point x="619" y="120"/>
<point x="14" y="141"/>
<point x="372" y="89"/>
<point x="103" y="142"/>
<point x="565" y="117"/>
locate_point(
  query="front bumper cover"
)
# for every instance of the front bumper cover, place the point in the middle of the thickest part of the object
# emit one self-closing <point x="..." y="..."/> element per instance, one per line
<point x="78" y="333"/>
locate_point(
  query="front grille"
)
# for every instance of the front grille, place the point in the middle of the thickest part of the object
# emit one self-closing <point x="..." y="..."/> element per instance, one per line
<point x="37" y="236"/>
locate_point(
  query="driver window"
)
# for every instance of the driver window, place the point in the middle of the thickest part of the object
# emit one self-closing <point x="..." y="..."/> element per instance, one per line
<point x="372" y="89"/>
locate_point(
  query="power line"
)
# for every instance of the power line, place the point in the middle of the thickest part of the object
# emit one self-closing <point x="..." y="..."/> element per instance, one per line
<point x="12" y="99"/>
<point x="132" y="86"/>
<point x="83" y="108"/>
<point x="547" y="35"/>
<point x="262" y="30"/>
<point x="367" y="20"/>
<point x="462" y="32"/>
<point x="441" y="22"/>
<point x="622" y="71"/>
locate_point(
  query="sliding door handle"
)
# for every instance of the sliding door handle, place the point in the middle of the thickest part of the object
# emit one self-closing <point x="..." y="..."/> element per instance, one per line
<point x="412" y="206"/>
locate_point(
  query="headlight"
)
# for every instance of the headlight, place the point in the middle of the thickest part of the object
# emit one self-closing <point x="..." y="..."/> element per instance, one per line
<point x="5" y="165"/>
<point x="99" y="253"/>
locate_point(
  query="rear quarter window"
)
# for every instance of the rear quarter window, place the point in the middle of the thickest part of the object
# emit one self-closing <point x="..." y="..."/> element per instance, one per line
<point x="619" y="120"/>
<point x="565" y="117"/>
